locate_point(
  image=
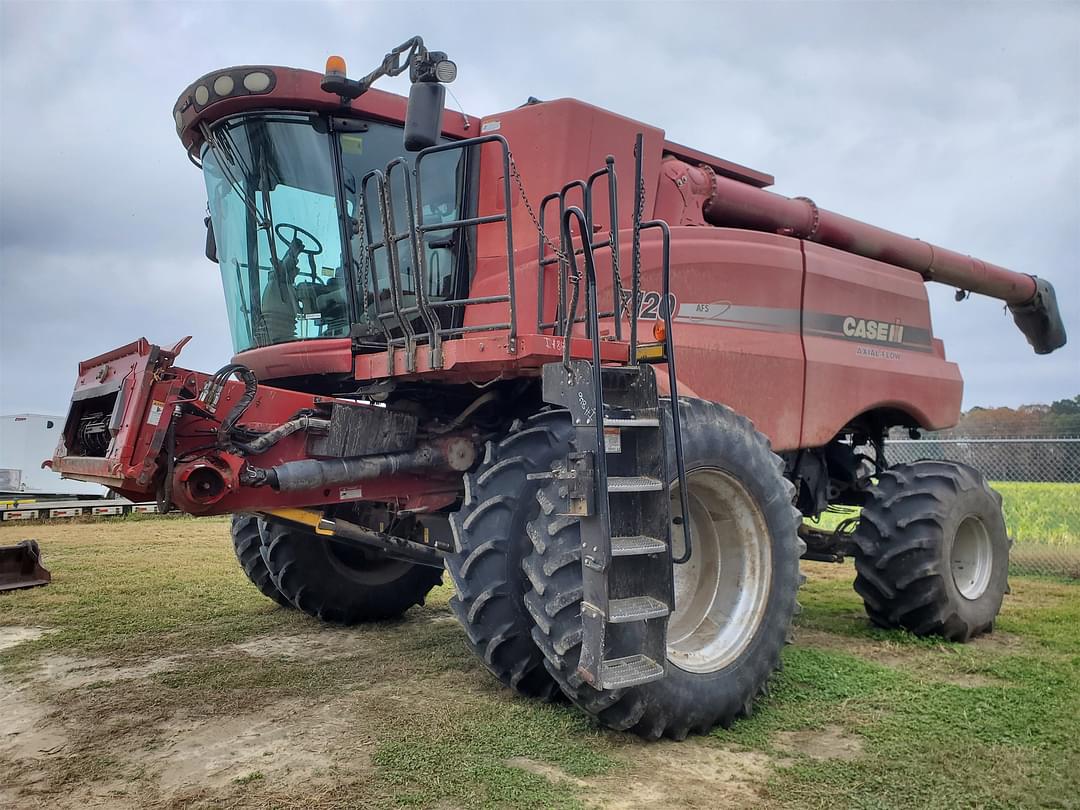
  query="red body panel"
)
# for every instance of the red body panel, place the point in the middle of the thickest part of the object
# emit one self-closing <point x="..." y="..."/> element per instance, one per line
<point x="736" y="322"/>
<point x="847" y="375"/>
<point x="299" y="358"/>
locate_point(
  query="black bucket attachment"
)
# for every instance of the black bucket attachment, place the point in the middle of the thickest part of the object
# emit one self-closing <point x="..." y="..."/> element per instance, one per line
<point x="20" y="566"/>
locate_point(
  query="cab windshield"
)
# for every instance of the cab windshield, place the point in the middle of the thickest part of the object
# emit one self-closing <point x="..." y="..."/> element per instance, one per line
<point x="283" y="192"/>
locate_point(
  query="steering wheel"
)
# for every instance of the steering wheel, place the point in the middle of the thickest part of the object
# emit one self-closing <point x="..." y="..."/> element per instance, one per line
<point x="296" y="231"/>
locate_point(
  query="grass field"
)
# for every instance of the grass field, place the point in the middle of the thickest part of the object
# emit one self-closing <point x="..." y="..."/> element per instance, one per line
<point x="151" y="674"/>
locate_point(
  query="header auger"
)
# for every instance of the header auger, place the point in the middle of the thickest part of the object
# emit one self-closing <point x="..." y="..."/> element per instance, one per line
<point x="446" y="334"/>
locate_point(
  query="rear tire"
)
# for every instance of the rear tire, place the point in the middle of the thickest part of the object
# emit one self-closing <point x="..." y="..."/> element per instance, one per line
<point x="489" y="533"/>
<point x="247" y="542"/>
<point x="340" y="584"/>
<point x="932" y="551"/>
<point x="716" y="666"/>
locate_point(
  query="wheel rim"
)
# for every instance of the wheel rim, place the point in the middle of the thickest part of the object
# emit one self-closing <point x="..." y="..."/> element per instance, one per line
<point x="365" y="569"/>
<point x="972" y="558"/>
<point x="722" y="591"/>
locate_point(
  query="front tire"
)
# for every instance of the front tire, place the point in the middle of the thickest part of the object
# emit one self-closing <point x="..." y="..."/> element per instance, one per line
<point x="489" y="532"/>
<point x="932" y="551"/>
<point x="735" y="598"/>
<point x="341" y="584"/>
<point x="247" y="544"/>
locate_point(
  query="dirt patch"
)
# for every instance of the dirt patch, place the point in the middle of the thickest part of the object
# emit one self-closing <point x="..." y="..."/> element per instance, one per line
<point x="669" y="774"/>
<point x="10" y="636"/>
<point x="971" y="680"/>
<point x="546" y="770"/>
<point x="443" y="618"/>
<point x="999" y="642"/>
<point x="831" y="742"/>
<point x="321" y="645"/>
<point x="27" y="732"/>
<point x="66" y="672"/>
<point x="827" y="572"/>
<point x="286" y="744"/>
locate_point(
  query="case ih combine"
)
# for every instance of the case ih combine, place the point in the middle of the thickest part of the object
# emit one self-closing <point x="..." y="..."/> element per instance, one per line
<point x="447" y="331"/>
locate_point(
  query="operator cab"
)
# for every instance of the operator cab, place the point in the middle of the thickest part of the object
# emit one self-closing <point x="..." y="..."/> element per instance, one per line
<point x="299" y="239"/>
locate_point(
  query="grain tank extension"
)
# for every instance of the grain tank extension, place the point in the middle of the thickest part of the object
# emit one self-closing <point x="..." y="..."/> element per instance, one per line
<point x="595" y="377"/>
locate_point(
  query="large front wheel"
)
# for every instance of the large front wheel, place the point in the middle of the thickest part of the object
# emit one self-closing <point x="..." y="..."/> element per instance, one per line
<point x="489" y="530"/>
<point x="247" y="543"/>
<point x="342" y="584"/>
<point x="932" y="553"/>
<point x="734" y="599"/>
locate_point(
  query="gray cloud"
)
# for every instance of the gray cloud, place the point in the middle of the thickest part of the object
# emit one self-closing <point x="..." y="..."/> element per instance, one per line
<point x="957" y="123"/>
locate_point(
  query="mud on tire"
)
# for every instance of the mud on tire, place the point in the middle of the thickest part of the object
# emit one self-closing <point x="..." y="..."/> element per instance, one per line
<point x="932" y="551"/>
<point x="489" y="532"/>
<point x="247" y="540"/>
<point x="340" y="584"/>
<point x="719" y="446"/>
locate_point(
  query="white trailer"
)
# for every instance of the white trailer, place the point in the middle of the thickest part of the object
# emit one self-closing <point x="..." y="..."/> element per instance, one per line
<point x="26" y="440"/>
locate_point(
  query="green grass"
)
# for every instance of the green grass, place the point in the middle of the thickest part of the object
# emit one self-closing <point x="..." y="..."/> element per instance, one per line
<point x="405" y="717"/>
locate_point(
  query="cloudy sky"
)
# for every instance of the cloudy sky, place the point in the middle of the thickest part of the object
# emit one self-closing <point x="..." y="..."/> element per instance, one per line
<point x="955" y="122"/>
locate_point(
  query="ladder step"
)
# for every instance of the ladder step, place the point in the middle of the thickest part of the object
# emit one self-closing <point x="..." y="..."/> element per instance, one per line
<point x="632" y="545"/>
<point x="634" y="483"/>
<point x="630" y="671"/>
<point x="636" y="609"/>
<point x="643" y="422"/>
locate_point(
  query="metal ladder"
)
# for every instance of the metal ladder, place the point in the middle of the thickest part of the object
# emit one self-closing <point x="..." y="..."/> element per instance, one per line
<point x="616" y="478"/>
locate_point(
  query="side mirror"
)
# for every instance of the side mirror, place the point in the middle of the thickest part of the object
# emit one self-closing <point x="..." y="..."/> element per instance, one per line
<point x="423" y="118"/>
<point x="211" y="242"/>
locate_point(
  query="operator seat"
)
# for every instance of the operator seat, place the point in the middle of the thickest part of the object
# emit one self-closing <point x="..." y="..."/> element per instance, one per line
<point x="279" y="311"/>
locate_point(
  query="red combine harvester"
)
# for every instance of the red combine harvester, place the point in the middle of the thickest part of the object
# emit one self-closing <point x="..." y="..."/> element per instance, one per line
<point x="447" y="331"/>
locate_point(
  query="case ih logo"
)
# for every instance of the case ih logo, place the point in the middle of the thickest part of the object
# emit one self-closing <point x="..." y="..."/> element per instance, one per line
<point x="873" y="330"/>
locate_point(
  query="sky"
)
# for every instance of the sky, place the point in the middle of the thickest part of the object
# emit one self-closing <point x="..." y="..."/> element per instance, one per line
<point x="955" y="122"/>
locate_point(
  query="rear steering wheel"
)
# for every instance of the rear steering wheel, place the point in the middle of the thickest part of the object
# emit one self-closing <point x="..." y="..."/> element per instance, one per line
<point x="296" y="232"/>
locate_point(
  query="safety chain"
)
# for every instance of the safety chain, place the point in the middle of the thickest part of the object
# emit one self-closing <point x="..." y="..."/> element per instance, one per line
<point x="635" y="283"/>
<point x="529" y="209"/>
<point x="564" y="260"/>
<point x="365" y="293"/>
<point x="624" y="296"/>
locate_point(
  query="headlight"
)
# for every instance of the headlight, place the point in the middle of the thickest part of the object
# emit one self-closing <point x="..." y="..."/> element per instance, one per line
<point x="445" y="70"/>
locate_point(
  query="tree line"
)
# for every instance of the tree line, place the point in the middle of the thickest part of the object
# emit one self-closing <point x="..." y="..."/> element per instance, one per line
<point x="1059" y="418"/>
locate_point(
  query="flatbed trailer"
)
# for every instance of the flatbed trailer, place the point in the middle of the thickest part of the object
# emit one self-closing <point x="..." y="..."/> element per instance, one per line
<point x="59" y="510"/>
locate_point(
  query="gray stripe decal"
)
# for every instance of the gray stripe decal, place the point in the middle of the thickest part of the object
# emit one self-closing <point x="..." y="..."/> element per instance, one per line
<point x="778" y="319"/>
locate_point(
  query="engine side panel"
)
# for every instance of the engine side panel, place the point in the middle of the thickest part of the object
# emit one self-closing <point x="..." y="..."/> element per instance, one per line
<point x="869" y="345"/>
<point x="799" y="337"/>
<point x="737" y="299"/>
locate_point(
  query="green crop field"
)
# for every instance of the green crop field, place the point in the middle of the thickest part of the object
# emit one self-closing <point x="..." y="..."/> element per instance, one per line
<point x="1042" y="513"/>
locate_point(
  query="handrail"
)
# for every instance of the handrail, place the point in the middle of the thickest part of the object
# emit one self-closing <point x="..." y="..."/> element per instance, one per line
<point x="420" y="283"/>
<point x="571" y="213"/>
<point x="673" y="381"/>
<point x="612" y="242"/>
<point x="635" y="248"/>
<point x="466" y="222"/>
<point x="371" y="246"/>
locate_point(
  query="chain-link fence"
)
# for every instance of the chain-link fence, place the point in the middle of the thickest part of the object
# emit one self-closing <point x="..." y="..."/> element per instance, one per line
<point x="1039" y="482"/>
